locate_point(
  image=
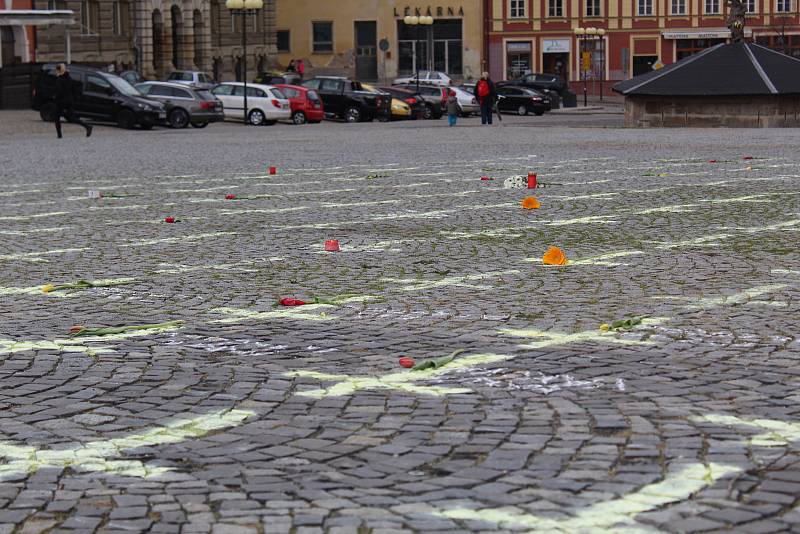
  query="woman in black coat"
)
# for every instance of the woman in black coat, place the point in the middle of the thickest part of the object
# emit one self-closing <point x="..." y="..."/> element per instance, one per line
<point x="64" y="100"/>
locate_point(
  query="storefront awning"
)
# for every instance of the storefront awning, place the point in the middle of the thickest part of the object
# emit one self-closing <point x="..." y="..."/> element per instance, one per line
<point x="36" y="17"/>
<point x="709" y="33"/>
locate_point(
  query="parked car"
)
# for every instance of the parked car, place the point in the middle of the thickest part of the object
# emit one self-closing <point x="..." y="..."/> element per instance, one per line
<point x="426" y="77"/>
<point x="415" y="101"/>
<point x="305" y="103"/>
<point x="131" y="76"/>
<point x="100" y="96"/>
<point x="399" y="109"/>
<point x="347" y="99"/>
<point x="192" y="77"/>
<point x="278" y="78"/>
<point x="467" y="103"/>
<point x="521" y="100"/>
<point x="185" y="105"/>
<point x="265" y="104"/>
<point x="550" y="82"/>
<point x="435" y="97"/>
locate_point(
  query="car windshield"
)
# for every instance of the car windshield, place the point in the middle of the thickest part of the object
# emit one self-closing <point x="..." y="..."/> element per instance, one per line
<point x="123" y="87"/>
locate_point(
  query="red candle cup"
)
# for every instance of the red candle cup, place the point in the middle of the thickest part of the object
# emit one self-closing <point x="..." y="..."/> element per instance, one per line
<point x="486" y="178"/>
<point x="531" y="180"/>
<point x="273" y="170"/>
<point x="169" y="220"/>
<point x="408" y="363"/>
<point x="332" y="245"/>
<point x="230" y="197"/>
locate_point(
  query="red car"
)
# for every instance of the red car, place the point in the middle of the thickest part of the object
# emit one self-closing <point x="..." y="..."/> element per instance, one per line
<point x="306" y="103"/>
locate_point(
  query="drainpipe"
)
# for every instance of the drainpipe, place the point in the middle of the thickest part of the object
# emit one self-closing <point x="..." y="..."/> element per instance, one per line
<point x="487" y="20"/>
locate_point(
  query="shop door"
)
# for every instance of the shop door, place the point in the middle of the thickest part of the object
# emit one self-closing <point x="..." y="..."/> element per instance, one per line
<point x="366" y="34"/>
<point x="7" y="43"/>
<point x="556" y="63"/>
<point x="643" y="64"/>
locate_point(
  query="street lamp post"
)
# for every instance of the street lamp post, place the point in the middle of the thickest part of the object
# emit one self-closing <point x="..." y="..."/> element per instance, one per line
<point x="584" y="35"/>
<point x="601" y="33"/>
<point x="413" y="20"/>
<point x="244" y="8"/>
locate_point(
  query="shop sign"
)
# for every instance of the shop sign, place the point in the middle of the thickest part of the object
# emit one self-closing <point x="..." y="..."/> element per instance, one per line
<point x="550" y="46"/>
<point x="429" y="11"/>
<point x="519" y="47"/>
<point x="718" y="34"/>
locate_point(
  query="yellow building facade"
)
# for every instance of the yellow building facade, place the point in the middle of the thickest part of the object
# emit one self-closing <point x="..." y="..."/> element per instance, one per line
<point x="369" y="40"/>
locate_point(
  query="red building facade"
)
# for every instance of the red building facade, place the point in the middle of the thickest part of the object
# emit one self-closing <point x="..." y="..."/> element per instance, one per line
<point x="539" y="35"/>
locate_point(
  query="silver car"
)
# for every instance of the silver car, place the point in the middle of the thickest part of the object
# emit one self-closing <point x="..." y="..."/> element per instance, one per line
<point x="467" y="103"/>
<point x="192" y="77"/>
<point x="185" y="105"/>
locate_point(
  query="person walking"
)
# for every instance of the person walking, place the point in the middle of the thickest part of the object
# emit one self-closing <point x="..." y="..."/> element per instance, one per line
<point x="452" y="108"/>
<point x="65" y="105"/>
<point x="486" y="95"/>
<point x="301" y="68"/>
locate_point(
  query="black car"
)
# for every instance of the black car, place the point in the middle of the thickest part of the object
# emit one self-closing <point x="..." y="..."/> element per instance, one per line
<point x="521" y="100"/>
<point x="346" y="99"/>
<point x="275" y="78"/>
<point x="550" y="82"/>
<point x="419" y="108"/>
<point x="185" y="104"/>
<point x="99" y="96"/>
<point x="435" y="96"/>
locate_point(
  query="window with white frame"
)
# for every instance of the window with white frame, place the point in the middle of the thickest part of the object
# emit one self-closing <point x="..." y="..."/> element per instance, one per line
<point x="555" y="8"/>
<point x="784" y="6"/>
<point x="517" y="9"/>
<point x="678" y="7"/>
<point x="712" y="7"/>
<point x="592" y="8"/>
<point x="644" y="8"/>
<point x="85" y="17"/>
<point x="750" y="6"/>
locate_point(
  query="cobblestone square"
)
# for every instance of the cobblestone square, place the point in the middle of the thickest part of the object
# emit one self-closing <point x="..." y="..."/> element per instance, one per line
<point x="237" y="415"/>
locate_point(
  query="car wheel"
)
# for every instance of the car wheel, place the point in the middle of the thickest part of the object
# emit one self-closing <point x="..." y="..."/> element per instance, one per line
<point x="428" y="113"/>
<point x="522" y="110"/>
<point x="126" y="119"/>
<point x="199" y="124"/>
<point x="298" y="117"/>
<point x="178" y="118"/>
<point x="256" y="117"/>
<point x="48" y="112"/>
<point x="352" y="115"/>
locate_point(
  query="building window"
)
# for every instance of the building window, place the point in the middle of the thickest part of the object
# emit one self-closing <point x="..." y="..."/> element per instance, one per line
<point x="283" y="41"/>
<point x="323" y="36"/>
<point x="787" y="44"/>
<point x="712" y="7"/>
<point x="51" y="5"/>
<point x="555" y="8"/>
<point x="645" y="7"/>
<point x="592" y="8"/>
<point x="446" y="54"/>
<point x="784" y="6"/>
<point x="687" y="47"/>
<point x="517" y="9"/>
<point x="678" y="7"/>
<point x="750" y="6"/>
<point x="85" y="17"/>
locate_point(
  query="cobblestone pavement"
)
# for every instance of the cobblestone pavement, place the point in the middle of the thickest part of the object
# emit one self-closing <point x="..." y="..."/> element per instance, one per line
<point x="250" y="417"/>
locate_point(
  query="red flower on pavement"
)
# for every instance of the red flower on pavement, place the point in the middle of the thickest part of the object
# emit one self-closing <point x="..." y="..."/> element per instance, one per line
<point x="408" y="363"/>
<point x="747" y="158"/>
<point x="712" y="161"/>
<point x="486" y="178"/>
<point x="75" y="329"/>
<point x="230" y="197"/>
<point x="169" y="220"/>
<point x="292" y="302"/>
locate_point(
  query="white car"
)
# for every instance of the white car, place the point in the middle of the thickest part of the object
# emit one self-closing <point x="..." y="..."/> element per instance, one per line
<point x="467" y="103"/>
<point x="265" y="103"/>
<point x="427" y="77"/>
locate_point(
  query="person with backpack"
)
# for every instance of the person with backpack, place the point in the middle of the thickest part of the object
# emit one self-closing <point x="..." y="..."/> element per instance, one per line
<point x="64" y="101"/>
<point x="486" y="94"/>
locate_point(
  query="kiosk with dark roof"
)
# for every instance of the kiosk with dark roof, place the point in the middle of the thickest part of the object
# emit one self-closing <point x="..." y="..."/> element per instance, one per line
<point x="735" y="85"/>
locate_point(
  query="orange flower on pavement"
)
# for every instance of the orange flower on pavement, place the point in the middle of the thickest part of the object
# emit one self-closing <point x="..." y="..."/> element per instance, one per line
<point x="554" y="256"/>
<point x="530" y="203"/>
